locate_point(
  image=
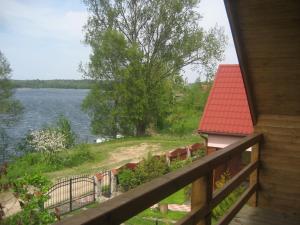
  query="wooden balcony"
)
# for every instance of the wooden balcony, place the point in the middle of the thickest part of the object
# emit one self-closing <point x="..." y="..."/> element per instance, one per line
<point x="203" y="200"/>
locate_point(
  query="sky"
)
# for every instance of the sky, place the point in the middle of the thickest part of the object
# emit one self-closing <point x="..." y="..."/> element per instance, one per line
<point x="44" y="39"/>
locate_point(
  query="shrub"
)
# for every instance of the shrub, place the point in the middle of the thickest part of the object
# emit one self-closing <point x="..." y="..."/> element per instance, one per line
<point x="31" y="192"/>
<point x="64" y="127"/>
<point x="148" y="169"/>
<point x="47" y="140"/>
<point x="36" y="162"/>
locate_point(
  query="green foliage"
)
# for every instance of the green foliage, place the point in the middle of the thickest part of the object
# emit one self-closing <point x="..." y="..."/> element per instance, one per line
<point x="138" y="51"/>
<point x="176" y="198"/>
<point x="31" y="191"/>
<point x="64" y="127"/>
<point x="9" y="108"/>
<point x="186" y="111"/>
<point x="149" y="216"/>
<point x="177" y="164"/>
<point x="65" y="84"/>
<point x="36" y="163"/>
<point x="223" y="207"/>
<point x="49" y="140"/>
<point x="148" y="169"/>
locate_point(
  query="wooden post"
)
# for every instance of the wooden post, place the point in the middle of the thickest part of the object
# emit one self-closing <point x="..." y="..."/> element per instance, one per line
<point x="254" y="175"/>
<point x="202" y="194"/>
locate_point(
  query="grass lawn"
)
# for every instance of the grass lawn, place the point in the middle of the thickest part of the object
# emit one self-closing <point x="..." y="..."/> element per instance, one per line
<point x="176" y="198"/>
<point x="150" y="216"/>
<point x="90" y="158"/>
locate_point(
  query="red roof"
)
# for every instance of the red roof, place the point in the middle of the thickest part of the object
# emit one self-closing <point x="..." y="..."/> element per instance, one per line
<point x="227" y="110"/>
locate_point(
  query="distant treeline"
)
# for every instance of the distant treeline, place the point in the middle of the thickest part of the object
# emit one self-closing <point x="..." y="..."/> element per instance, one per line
<point x="65" y="84"/>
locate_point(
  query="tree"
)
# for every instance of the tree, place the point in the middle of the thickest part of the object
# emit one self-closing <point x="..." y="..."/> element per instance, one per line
<point x="9" y="108"/>
<point x="139" y="47"/>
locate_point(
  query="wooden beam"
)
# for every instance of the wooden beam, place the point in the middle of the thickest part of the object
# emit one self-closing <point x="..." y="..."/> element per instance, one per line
<point x="194" y="216"/>
<point x="202" y="196"/>
<point x="200" y="210"/>
<point x="127" y="205"/>
<point x="242" y="56"/>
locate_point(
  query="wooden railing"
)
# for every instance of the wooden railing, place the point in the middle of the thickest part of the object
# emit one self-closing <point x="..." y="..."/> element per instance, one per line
<point x="199" y="173"/>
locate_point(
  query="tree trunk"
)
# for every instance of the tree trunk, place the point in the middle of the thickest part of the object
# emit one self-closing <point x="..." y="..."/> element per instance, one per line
<point x="141" y="129"/>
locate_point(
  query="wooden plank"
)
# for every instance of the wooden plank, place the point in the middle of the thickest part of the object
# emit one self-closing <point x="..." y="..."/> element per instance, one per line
<point x="201" y="197"/>
<point x="259" y="216"/>
<point x="194" y="216"/>
<point x="238" y="205"/>
<point x="200" y="211"/>
<point x="116" y="210"/>
<point x="241" y="53"/>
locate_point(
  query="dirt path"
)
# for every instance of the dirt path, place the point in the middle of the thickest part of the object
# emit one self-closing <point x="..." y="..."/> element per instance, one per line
<point x="131" y="154"/>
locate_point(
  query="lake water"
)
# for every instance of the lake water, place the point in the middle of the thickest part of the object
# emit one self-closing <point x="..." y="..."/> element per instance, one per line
<point x="44" y="106"/>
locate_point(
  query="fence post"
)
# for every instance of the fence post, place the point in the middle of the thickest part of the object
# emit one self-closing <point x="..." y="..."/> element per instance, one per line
<point x="202" y="194"/>
<point x="94" y="188"/>
<point x="109" y="183"/>
<point x="70" y="194"/>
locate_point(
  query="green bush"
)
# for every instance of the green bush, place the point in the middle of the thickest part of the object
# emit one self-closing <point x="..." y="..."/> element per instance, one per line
<point x="64" y="127"/>
<point x="186" y="111"/>
<point x="49" y="140"/>
<point x="148" y="169"/>
<point x="36" y="162"/>
<point x="31" y="191"/>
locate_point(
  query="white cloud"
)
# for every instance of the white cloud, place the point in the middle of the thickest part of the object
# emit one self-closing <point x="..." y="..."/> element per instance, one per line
<point x="42" y="22"/>
<point x="213" y="12"/>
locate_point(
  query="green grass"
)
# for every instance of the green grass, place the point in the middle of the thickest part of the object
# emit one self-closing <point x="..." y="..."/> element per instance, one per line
<point x="176" y="198"/>
<point x="149" y="216"/>
<point x="89" y="158"/>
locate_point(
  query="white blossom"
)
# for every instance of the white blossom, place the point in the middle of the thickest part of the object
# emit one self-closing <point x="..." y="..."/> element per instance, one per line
<point x="47" y="140"/>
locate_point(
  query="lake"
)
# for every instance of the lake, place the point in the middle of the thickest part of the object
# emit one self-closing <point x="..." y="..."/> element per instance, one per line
<point x="42" y="107"/>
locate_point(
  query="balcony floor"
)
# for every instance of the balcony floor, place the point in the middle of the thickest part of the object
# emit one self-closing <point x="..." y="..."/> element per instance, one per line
<point x="258" y="216"/>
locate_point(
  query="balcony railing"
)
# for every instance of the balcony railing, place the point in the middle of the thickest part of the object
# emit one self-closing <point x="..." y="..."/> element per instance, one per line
<point x="203" y="200"/>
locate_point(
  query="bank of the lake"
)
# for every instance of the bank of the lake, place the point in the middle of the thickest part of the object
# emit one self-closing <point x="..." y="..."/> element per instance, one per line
<point x="90" y="158"/>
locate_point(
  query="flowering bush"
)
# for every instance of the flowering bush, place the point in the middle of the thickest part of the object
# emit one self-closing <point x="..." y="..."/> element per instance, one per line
<point x="46" y="141"/>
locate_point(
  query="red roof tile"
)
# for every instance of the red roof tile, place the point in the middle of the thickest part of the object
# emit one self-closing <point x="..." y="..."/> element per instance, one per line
<point x="227" y="110"/>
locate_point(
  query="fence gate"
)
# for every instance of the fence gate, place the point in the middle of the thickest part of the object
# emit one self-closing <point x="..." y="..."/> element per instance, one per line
<point x="71" y="193"/>
<point x="106" y="184"/>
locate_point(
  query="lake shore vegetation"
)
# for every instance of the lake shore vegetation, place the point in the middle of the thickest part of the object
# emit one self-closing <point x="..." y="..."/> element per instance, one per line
<point x="62" y="84"/>
<point x="10" y="108"/>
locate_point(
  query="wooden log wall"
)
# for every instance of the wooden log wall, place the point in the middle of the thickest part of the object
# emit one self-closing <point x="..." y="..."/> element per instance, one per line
<point x="279" y="175"/>
<point x="267" y="39"/>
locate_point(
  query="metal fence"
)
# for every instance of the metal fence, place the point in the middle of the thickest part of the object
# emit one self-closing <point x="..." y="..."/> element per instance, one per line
<point x="74" y="192"/>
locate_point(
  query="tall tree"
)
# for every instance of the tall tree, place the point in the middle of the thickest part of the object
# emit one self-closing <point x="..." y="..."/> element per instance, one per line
<point x="139" y="47"/>
<point x="9" y="108"/>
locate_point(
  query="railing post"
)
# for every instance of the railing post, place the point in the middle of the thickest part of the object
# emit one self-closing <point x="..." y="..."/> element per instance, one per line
<point x="254" y="175"/>
<point x="202" y="194"/>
